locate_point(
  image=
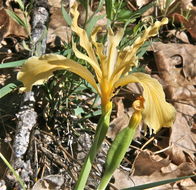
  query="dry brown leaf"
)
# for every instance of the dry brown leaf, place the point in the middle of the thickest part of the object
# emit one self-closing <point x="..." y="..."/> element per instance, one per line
<point x="121" y="121"/>
<point x="58" y="27"/>
<point x="8" y="27"/>
<point x="186" y="4"/>
<point x="146" y="163"/>
<point x="4" y="23"/>
<point x="182" y="140"/>
<point x="51" y="182"/>
<point x="123" y="180"/>
<point x="123" y="102"/>
<point x="181" y="35"/>
<point x="176" y="64"/>
<point x="189" y="24"/>
<point x="56" y="3"/>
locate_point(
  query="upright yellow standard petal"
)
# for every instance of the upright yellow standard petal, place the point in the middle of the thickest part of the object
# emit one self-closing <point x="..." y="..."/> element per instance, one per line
<point x="80" y="55"/>
<point x="37" y="70"/>
<point x="84" y="40"/>
<point x="99" y="47"/>
<point x="112" y="52"/>
<point x="128" y="55"/>
<point x="157" y="112"/>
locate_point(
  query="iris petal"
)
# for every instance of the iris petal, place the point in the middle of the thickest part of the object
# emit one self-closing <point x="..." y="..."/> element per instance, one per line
<point x="99" y="47"/>
<point x="128" y="55"/>
<point x="112" y="52"/>
<point x="89" y="60"/>
<point x="37" y="70"/>
<point x="157" y="112"/>
<point x="84" y="40"/>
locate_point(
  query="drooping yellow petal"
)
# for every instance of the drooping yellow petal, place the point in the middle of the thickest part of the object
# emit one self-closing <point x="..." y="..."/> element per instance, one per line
<point x="157" y="112"/>
<point x="37" y="70"/>
<point x="84" y="40"/>
<point x="128" y="55"/>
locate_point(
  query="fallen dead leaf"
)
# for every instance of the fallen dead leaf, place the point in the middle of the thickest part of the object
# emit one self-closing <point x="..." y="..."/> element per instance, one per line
<point x="4" y="23"/>
<point x="123" y="180"/>
<point x="58" y="27"/>
<point x="181" y="140"/>
<point x="189" y="24"/>
<point x="57" y="3"/>
<point x="121" y="121"/>
<point x="176" y="65"/>
<point x="123" y="102"/>
<point x="181" y="35"/>
<point x="146" y="163"/>
<point x="51" y="182"/>
<point x="186" y="4"/>
<point x="10" y="27"/>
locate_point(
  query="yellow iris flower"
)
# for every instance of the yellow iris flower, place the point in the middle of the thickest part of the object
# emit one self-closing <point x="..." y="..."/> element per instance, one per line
<point x="110" y="66"/>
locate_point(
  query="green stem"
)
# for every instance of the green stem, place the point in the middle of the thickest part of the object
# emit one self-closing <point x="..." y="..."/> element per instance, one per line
<point x="99" y="137"/>
<point x="13" y="171"/>
<point x="118" y="149"/>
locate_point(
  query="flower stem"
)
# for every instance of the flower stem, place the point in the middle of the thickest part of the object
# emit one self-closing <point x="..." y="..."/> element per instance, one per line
<point x="99" y="137"/>
<point x="118" y="149"/>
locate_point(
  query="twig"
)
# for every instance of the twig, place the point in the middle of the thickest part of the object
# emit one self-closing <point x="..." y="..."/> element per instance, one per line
<point x="27" y="116"/>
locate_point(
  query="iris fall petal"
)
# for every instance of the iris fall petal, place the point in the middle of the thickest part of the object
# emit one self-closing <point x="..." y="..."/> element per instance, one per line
<point x="37" y="70"/>
<point x="157" y="112"/>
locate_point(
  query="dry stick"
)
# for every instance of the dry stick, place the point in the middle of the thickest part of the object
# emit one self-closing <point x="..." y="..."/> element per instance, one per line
<point x="27" y="116"/>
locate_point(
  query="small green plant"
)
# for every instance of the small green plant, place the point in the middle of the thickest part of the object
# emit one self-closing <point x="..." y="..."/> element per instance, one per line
<point x="110" y="67"/>
<point x="105" y="63"/>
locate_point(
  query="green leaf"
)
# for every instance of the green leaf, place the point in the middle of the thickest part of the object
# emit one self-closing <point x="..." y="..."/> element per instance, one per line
<point x="16" y="18"/>
<point x="124" y="14"/>
<point x="143" y="49"/>
<point x="26" y="46"/>
<point x="12" y="64"/>
<point x="91" y="23"/>
<point x="158" y="183"/>
<point x="66" y="16"/>
<point x="18" y="178"/>
<point x="78" y="111"/>
<point x="7" y="89"/>
<point x="145" y="8"/>
<point x="109" y="8"/>
<point x="21" y="4"/>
